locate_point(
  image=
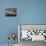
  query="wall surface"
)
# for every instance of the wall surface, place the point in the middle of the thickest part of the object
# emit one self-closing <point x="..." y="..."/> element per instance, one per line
<point x="28" y="12"/>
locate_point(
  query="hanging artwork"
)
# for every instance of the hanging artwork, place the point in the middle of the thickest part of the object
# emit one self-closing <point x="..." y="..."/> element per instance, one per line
<point x="32" y="32"/>
<point x="10" y="12"/>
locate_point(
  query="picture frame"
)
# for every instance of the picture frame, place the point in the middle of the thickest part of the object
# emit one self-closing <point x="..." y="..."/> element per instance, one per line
<point x="10" y="12"/>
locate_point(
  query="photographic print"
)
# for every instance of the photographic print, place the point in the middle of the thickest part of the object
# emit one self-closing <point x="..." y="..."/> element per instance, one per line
<point x="29" y="34"/>
<point x="33" y="32"/>
<point x="10" y="12"/>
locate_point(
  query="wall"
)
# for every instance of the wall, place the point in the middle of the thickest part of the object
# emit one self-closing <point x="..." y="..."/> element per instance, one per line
<point x="28" y="12"/>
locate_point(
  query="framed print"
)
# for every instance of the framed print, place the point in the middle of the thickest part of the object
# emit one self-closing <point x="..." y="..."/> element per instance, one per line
<point x="10" y="12"/>
<point x="32" y="32"/>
